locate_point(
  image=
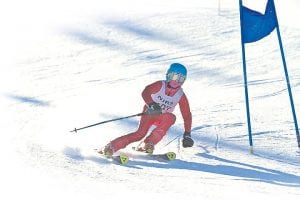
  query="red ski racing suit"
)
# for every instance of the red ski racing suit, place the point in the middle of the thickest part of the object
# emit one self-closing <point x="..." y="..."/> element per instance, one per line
<point x="167" y="98"/>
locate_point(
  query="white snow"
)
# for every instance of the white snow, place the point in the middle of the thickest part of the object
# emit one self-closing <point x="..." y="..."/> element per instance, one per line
<point x="68" y="64"/>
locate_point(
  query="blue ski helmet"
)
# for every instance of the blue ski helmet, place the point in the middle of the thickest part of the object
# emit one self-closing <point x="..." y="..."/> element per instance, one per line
<point x="176" y="68"/>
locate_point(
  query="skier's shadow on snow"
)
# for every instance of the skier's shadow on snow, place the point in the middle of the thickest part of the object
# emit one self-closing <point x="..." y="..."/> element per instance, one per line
<point x="240" y="170"/>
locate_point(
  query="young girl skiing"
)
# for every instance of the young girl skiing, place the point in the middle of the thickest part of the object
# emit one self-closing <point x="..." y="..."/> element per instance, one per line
<point x="161" y="98"/>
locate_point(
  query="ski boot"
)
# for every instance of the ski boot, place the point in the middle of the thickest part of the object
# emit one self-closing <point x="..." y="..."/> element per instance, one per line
<point x="108" y="151"/>
<point x="149" y="148"/>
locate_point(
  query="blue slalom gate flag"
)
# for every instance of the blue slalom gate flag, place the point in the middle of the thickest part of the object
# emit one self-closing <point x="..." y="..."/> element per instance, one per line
<point x="254" y="25"/>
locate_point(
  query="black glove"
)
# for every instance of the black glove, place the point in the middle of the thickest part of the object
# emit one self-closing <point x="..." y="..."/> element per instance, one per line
<point x="154" y="109"/>
<point x="187" y="140"/>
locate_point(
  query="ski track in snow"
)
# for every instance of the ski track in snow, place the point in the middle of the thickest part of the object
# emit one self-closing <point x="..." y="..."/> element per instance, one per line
<point x="77" y="77"/>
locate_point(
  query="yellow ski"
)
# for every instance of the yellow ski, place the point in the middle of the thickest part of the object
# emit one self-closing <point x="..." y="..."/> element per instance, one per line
<point x="164" y="156"/>
<point x="121" y="159"/>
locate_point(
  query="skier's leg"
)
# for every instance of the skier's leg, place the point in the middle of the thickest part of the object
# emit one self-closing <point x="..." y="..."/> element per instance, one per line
<point x="123" y="141"/>
<point x="165" y="121"/>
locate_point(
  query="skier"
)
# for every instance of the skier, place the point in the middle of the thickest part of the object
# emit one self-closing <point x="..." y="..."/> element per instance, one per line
<point x="160" y="97"/>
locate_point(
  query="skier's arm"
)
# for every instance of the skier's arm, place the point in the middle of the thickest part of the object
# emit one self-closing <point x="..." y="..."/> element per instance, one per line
<point x="151" y="89"/>
<point x="187" y="118"/>
<point x="186" y="113"/>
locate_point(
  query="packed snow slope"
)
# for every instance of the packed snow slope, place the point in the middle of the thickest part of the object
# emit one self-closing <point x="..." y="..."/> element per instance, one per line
<point x="70" y="64"/>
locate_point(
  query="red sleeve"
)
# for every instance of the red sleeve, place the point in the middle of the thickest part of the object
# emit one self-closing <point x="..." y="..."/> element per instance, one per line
<point x="186" y="113"/>
<point x="151" y="89"/>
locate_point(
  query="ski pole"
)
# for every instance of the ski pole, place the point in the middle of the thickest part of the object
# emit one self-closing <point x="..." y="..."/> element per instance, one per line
<point x="103" y="122"/>
<point x="172" y="140"/>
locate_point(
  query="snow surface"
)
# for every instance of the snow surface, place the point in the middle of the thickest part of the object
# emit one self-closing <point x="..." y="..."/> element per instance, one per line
<point x="68" y="64"/>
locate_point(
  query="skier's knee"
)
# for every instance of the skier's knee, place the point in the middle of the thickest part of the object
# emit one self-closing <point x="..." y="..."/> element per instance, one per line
<point x="171" y="118"/>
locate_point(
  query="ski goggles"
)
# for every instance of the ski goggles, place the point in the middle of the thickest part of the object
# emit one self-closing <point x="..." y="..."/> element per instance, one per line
<point x="173" y="76"/>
